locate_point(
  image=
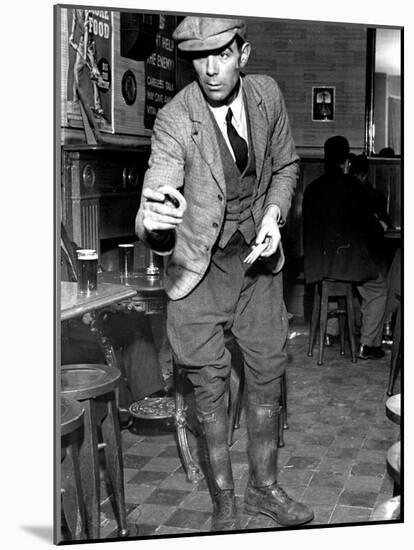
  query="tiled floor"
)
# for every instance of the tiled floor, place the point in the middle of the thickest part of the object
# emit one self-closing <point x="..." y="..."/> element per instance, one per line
<point x="334" y="458"/>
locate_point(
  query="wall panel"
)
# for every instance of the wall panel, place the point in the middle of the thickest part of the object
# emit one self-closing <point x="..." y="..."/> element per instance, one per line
<point x="302" y="54"/>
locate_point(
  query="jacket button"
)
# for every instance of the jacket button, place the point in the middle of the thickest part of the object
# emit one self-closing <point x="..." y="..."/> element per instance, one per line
<point x="215" y="225"/>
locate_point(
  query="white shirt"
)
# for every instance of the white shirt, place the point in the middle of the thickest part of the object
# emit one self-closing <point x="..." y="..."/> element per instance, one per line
<point x="238" y="120"/>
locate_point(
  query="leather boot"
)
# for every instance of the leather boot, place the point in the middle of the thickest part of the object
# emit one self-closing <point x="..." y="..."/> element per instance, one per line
<point x="263" y="494"/>
<point x="219" y="472"/>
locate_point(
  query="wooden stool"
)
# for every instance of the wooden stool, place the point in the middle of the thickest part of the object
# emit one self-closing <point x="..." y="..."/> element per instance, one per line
<point x="73" y="507"/>
<point x="395" y="364"/>
<point x="157" y="408"/>
<point x="342" y="291"/>
<point x="94" y="386"/>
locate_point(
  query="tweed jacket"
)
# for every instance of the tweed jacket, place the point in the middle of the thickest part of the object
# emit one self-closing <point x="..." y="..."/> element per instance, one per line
<point x="185" y="154"/>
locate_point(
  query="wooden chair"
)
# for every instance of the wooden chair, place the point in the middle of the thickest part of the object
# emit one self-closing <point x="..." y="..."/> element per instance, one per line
<point x="73" y="507"/>
<point x="95" y="386"/>
<point x="341" y="291"/>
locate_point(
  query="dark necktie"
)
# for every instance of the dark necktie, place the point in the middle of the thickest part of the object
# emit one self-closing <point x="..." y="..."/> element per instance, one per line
<point x="238" y="144"/>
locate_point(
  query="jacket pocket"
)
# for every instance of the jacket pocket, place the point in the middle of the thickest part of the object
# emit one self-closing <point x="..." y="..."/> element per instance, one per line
<point x="187" y="251"/>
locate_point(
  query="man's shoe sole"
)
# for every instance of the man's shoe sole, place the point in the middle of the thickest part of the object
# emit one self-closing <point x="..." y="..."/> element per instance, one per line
<point x="255" y="511"/>
<point x="366" y="357"/>
<point x="232" y="525"/>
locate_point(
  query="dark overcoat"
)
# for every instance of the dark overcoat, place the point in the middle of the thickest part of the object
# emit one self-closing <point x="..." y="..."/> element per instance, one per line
<point x="339" y="230"/>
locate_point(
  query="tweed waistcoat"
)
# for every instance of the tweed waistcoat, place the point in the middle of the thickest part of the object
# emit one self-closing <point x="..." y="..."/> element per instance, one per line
<point x="239" y="192"/>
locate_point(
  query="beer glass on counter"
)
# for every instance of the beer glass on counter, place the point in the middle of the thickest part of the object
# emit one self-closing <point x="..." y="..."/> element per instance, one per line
<point x="88" y="270"/>
<point x="126" y="259"/>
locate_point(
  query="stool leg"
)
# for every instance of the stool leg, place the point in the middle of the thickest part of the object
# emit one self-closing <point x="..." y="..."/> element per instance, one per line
<point x="88" y="457"/>
<point x="283" y="401"/>
<point x="395" y="366"/>
<point x="351" y="322"/>
<point x="72" y="496"/>
<point x="280" y="438"/>
<point x="341" y="303"/>
<point x="193" y="471"/>
<point x="235" y="397"/>
<point x="395" y="352"/>
<point x="314" y="320"/>
<point x="323" y="321"/>
<point x="282" y="412"/>
<point x="113" y="454"/>
<point x="239" y="403"/>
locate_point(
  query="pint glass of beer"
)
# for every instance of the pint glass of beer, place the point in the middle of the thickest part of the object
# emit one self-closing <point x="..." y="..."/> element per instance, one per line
<point x="88" y="270"/>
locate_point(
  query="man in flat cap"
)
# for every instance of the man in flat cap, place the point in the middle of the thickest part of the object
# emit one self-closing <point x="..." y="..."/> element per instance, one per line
<point x="224" y="142"/>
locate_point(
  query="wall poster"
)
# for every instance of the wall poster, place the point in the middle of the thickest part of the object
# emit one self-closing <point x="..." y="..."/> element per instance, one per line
<point x="160" y="70"/>
<point x="87" y="43"/>
<point x="323" y="104"/>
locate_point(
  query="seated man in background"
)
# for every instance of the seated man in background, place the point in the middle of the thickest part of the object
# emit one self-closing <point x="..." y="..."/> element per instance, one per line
<point x="130" y="334"/>
<point x="341" y="241"/>
<point x="358" y="167"/>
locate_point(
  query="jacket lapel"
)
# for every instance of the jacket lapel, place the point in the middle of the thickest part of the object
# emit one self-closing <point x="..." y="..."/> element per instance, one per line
<point x="258" y="124"/>
<point x="204" y="136"/>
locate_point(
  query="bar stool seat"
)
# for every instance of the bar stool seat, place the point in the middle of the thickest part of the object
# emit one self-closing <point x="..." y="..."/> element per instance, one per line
<point x="71" y="420"/>
<point x="95" y="387"/>
<point x="342" y="292"/>
<point x="86" y="381"/>
<point x="71" y="416"/>
<point x="393" y="408"/>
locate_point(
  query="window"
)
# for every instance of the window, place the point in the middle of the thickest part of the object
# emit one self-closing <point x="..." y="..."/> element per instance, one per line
<point x="383" y="115"/>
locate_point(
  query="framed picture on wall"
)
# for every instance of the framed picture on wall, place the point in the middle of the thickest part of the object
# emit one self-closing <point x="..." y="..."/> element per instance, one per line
<point x="323" y="104"/>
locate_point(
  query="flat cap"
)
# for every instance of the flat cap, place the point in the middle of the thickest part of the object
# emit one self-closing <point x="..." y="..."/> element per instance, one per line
<point x="195" y="34"/>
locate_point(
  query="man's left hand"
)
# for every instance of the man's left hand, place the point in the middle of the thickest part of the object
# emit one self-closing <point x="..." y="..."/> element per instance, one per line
<point x="269" y="230"/>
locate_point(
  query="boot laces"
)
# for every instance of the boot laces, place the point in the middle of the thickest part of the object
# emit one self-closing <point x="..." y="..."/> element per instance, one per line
<point x="281" y="492"/>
